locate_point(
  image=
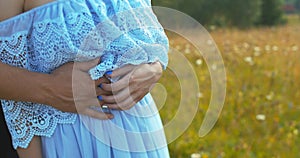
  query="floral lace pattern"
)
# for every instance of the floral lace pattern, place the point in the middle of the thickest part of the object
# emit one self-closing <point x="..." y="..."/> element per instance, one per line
<point x="119" y="32"/>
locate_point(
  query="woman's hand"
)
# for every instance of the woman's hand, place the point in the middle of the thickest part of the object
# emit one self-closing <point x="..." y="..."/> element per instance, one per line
<point x="73" y="90"/>
<point x="134" y="84"/>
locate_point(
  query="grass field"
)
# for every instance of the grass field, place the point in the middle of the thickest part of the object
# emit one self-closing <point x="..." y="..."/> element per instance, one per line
<point x="261" y="115"/>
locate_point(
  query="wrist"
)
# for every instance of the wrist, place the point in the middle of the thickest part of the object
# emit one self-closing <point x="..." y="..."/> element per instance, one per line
<point x="19" y="84"/>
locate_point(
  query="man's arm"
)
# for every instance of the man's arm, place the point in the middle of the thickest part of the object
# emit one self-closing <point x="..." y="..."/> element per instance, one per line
<point x="22" y="85"/>
<point x="55" y="89"/>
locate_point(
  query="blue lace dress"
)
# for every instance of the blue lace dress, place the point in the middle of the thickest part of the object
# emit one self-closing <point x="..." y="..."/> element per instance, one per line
<point x="119" y="32"/>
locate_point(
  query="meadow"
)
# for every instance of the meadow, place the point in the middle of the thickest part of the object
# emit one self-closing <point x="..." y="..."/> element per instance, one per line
<point x="261" y="114"/>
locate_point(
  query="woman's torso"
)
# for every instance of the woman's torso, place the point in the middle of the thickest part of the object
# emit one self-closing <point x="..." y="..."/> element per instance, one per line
<point x="48" y="36"/>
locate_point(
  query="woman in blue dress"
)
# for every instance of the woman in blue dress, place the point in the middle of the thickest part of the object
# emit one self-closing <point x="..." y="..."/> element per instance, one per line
<point x="127" y="38"/>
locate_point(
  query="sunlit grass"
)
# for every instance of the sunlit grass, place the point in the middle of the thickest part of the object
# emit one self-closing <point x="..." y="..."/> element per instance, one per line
<point x="293" y="19"/>
<point x="261" y="116"/>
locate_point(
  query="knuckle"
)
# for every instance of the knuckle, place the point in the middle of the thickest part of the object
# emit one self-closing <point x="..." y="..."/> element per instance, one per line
<point x="125" y="107"/>
<point x="115" y="98"/>
<point x="132" y="79"/>
<point x="114" y="87"/>
<point x="110" y="87"/>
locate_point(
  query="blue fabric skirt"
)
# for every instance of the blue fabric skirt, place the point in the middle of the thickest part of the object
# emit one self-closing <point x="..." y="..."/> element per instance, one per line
<point x="136" y="133"/>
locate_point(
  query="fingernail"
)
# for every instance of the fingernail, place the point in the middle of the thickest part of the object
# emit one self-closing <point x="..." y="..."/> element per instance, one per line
<point x="100" y="86"/>
<point x="108" y="73"/>
<point x="110" y="116"/>
<point x="100" y="98"/>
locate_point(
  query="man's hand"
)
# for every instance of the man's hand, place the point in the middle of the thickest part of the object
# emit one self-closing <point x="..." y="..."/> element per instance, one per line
<point x="73" y="90"/>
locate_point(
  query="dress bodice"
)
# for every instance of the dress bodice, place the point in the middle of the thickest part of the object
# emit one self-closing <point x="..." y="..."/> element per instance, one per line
<point x="119" y="32"/>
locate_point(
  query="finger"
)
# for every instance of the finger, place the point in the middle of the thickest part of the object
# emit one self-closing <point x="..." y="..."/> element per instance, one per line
<point x="126" y="104"/>
<point x="117" y="97"/>
<point x="122" y="71"/>
<point x="125" y="93"/>
<point x="85" y="66"/>
<point x="119" y="85"/>
<point x="101" y="92"/>
<point x="98" y="115"/>
<point x="101" y="80"/>
<point x="130" y="105"/>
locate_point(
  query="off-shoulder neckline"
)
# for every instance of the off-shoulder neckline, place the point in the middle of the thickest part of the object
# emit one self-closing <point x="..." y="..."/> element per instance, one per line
<point x="31" y="11"/>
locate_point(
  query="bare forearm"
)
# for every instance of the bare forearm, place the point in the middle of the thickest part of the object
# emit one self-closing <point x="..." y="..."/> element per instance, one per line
<point x="22" y="85"/>
<point x="55" y="89"/>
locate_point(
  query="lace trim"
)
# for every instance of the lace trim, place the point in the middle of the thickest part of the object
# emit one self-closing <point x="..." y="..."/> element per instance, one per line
<point x="32" y="119"/>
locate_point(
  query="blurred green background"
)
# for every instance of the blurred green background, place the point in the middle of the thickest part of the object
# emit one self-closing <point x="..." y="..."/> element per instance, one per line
<point x="259" y="42"/>
<point x="238" y="13"/>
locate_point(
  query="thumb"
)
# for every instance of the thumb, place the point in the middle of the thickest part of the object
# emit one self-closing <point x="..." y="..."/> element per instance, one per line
<point x="85" y="66"/>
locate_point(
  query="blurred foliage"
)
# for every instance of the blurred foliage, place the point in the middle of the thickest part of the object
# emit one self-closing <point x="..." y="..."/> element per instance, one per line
<point x="239" y="13"/>
<point x="297" y="5"/>
<point x="271" y="12"/>
<point x="242" y="13"/>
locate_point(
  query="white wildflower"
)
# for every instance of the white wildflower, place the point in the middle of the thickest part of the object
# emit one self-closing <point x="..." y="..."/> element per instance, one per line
<point x="200" y="95"/>
<point x="187" y="51"/>
<point x="249" y="60"/>
<point x="261" y="117"/>
<point x="210" y="42"/>
<point x="212" y="27"/>
<point x="214" y="67"/>
<point x="196" y="155"/>
<point x="199" y="62"/>
<point x="268" y="48"/>
<point x="257" y="49"/>
<point x="270" y="96"/>
<point x="295" y="48"/>
<point x="178" y="47"/>
<point x="275" y="48"/>
<point x="295" y="131"/>
<point x="246" y="45"/>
